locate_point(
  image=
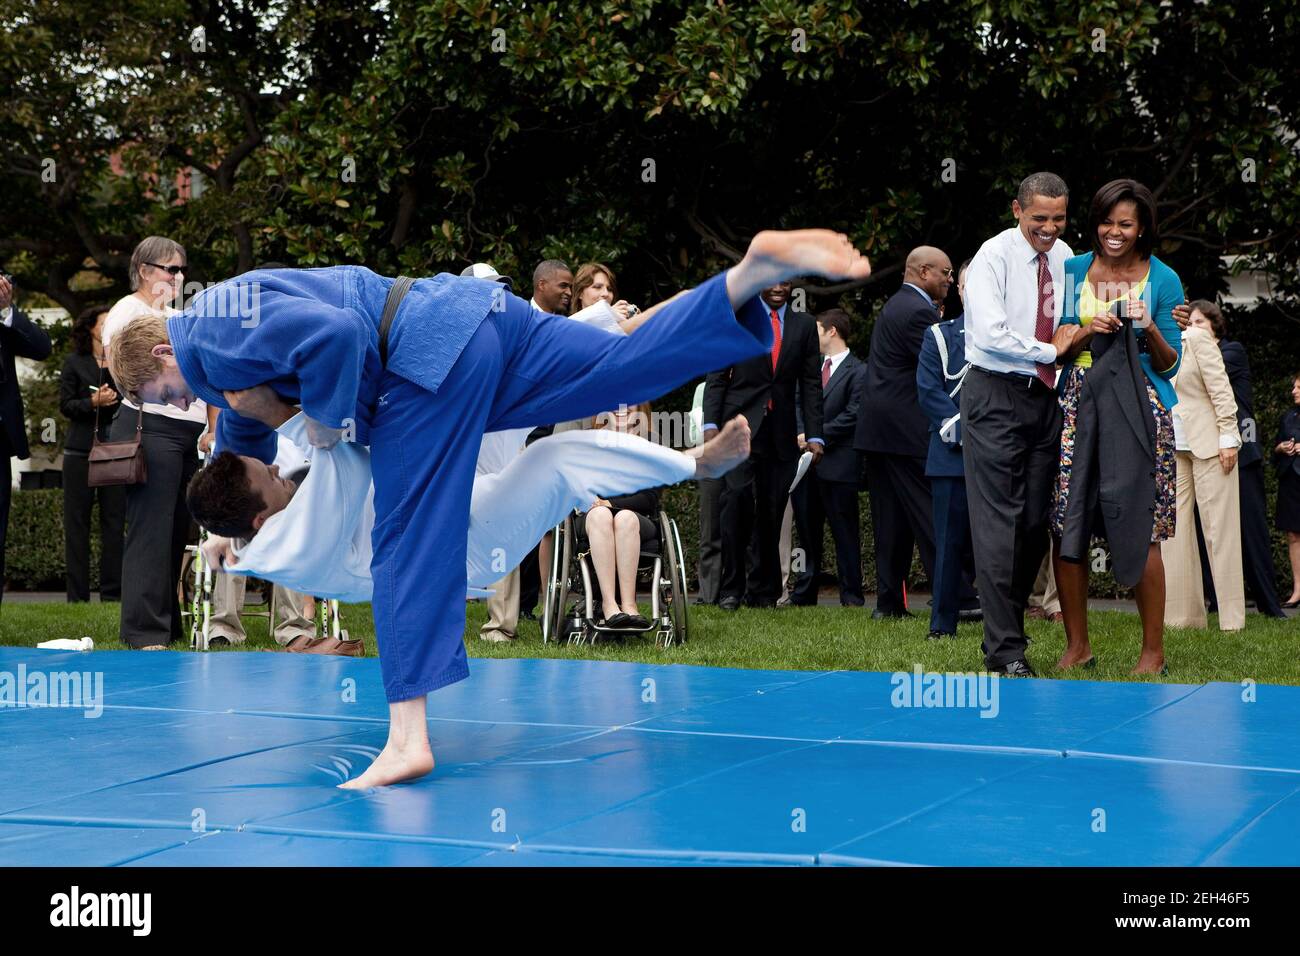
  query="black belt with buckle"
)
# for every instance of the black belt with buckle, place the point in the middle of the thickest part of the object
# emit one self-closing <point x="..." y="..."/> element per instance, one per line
<point x="1016" y="378"/>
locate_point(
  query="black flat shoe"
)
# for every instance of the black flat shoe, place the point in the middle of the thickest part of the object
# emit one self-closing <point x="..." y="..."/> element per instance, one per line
<point x="1289" y="604"/>
<point x="618" y="620"/>
<point x="938" y="635"/>
<point x="729" y="604"/>
<point x="1090" y="664"/>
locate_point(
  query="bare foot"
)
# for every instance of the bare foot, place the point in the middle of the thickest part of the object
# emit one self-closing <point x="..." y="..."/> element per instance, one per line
<point x="773" y="257"/>
<point x="407" y="755"/>
<point x="393" y="765"/>
<point x="1074" y="658"/>
<point x="1150" y="664"/>
<point x="727" y="449"/>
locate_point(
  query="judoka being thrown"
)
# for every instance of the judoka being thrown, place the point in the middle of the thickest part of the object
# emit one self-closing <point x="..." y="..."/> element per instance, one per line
<point x="312" y="532"/>
<point x="463" y="359"/>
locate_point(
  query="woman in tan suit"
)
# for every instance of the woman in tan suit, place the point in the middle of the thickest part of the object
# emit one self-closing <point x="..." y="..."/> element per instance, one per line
<point x="1206" y="439"/>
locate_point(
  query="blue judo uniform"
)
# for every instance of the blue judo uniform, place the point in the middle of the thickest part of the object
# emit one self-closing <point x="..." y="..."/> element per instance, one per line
<point x="462" y="360"/>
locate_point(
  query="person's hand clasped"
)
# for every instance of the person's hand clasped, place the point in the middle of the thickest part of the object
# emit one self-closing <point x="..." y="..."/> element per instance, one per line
<point x="103" y="396"/>
<point x="322" y="436"/>
<point x="1227" y="459"/>
<point x="6" y="294"/>
<point x="1105" y="324"/>
<point x="219" y="553"/>
<point x="1183" y="315"/>
<point x="1137" y="311"/>
<point x="205" y="442"/>
<point x="1063" y="337"/>
<point x="816" y="449"/>
<point x="259" y="403"/>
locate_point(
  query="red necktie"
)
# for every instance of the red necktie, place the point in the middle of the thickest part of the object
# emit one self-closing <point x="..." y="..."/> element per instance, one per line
<point x="1043" y="326"/>
<point x="776" y="346"/>
<point x="826" y="372"/>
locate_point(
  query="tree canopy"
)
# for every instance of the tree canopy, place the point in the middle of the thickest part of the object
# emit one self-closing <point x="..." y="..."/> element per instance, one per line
<point x="653" y="135"/>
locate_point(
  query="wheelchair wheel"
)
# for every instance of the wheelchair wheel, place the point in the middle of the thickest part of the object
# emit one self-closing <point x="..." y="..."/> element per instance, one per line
<point x="557" y="586"/>
<point x="675" y="567"/>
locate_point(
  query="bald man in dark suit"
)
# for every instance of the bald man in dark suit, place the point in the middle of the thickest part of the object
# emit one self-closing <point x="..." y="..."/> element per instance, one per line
<point x="893" y="433"/>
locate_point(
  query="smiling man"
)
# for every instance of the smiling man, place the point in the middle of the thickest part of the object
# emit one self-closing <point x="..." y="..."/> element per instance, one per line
<point x="1011" y="422"/>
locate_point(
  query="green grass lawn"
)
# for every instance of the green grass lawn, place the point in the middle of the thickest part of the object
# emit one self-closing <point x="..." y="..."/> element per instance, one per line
<point x="804" y="638"/>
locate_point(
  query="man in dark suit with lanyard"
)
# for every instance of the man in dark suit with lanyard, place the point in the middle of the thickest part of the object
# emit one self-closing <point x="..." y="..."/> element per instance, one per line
<point x="19" y="336"/>
<point x="831" y="489"/>
<point x="939" y="375"/>
<point x="755" y="494"/>
<point x="893" y="434"/>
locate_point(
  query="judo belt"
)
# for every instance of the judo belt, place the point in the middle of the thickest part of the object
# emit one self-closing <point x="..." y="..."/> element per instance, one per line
<point x="401" y="286"/>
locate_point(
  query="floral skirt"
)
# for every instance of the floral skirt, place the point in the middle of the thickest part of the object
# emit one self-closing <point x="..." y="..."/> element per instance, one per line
<point x="1166" y="504"/>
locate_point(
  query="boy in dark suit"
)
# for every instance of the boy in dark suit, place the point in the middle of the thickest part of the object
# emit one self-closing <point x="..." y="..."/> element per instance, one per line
<point x="831" y="489"/>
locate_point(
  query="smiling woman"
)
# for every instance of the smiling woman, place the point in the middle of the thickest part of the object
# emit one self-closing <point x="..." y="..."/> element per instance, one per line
<point x="1120" y="282"/>
<point x="157" y="522"/>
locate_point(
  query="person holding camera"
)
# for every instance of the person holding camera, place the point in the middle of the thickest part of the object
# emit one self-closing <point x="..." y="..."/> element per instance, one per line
<point x="1120" y="282"/>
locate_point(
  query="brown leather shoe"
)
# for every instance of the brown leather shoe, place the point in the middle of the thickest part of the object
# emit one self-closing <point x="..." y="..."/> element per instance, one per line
<point x="1036" y="613"/>
<point x="326" y="645"/>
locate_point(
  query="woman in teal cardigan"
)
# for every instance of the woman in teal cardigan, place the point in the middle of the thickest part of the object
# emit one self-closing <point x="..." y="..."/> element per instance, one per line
<point x="1120" y="272"/>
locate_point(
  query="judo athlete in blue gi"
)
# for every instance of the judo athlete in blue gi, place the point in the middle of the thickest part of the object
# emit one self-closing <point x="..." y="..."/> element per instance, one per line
<point x="463" y="358"/>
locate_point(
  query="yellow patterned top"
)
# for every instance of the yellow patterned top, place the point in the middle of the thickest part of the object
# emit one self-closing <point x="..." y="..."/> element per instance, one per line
<point x="1090" y="307"/>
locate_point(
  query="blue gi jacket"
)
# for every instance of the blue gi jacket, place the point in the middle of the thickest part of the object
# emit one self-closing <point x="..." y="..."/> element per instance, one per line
<point x="312" y="335"/>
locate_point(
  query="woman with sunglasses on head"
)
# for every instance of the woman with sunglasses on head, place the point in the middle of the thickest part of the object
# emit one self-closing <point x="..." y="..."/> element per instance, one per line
<point x="158" y="522"/>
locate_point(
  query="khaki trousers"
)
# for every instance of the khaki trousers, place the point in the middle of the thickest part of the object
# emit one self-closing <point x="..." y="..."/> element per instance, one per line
<point x="1203" y="486"/>
<point x="503" y="607"/>
<point x="228" y="598"/>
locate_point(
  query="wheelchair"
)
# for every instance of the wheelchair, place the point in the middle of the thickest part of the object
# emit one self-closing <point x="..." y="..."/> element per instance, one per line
<point x="572" y="590"/>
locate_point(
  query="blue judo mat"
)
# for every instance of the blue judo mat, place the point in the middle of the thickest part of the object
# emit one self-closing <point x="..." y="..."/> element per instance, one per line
<point x="233" y="759"/>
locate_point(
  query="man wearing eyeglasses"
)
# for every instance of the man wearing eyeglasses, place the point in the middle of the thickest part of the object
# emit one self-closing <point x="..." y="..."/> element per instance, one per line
<point x="893" y="433"/>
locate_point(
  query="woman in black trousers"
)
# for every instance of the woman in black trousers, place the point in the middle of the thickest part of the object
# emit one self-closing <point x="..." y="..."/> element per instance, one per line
<point x="87" y="396"/>
<point x="1286" y="458"/>
<point x="1256" y="540"/>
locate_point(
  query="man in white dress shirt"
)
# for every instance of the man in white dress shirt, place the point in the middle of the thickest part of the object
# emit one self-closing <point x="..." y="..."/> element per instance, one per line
<point x="1011" y="419"/>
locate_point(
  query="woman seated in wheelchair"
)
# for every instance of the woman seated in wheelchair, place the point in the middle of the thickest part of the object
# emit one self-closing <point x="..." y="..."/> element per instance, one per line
<point x="618" y="530"/>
